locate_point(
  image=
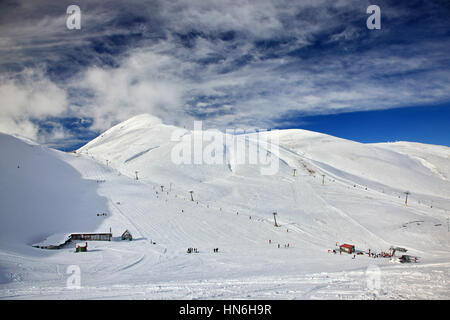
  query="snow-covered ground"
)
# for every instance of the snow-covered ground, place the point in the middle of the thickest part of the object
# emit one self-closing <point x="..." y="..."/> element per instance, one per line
<point x="46" y="193"/>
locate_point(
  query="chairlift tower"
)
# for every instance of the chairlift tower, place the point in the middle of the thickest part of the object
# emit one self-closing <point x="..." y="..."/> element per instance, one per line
<point x="136" y="172"/>
<point x="191" y="192"/>
<point x="275" y="218"/>
<point x="406" y="198"/>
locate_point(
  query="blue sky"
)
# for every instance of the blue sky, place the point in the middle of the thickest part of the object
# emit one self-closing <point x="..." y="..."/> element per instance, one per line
<point x="246" y="64"/>
<point x="425" y="124"/>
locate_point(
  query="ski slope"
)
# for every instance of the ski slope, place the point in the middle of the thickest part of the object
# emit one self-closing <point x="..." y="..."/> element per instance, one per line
<point x="47" y="192"/>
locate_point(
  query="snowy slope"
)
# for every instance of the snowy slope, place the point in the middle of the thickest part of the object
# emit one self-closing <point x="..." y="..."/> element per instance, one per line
<point x="232" y="211"/>
<point x="435" y="158"/>
<point x="41" y="194"/>
<point x="375" y="164"/>
<point x="385" y="173"/>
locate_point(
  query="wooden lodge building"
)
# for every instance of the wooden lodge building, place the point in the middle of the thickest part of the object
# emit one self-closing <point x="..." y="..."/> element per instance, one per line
<point x="58" y="241"/>
<point x="91" y="236"/>
<point x="126" y="235"/>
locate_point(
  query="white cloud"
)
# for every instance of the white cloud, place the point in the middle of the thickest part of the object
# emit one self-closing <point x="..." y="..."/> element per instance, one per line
<point x="144" y="82"/>
<point x="229" y="83"/>
<point x="161" y="79"/>
<point x="29" y="96"/>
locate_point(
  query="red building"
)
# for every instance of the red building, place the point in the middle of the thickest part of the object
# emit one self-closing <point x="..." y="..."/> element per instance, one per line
<point x="349" y="248"/>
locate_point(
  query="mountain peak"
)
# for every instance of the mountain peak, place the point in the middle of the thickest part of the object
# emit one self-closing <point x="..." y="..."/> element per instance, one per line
<point x="142" y="120"/>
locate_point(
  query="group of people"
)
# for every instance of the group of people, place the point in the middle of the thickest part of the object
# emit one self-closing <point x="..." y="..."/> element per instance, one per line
<point x="378" y="255"/>
<point x="279" y="246"/>
<point x="195" y="250"/>
<point x="369" y="253"/>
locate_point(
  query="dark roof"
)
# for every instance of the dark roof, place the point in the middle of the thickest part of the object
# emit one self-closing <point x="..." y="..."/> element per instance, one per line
<point x="91" y="234"/>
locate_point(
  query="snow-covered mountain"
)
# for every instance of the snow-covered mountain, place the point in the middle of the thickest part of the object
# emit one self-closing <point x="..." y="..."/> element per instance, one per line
<point x="342" y="191"/>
